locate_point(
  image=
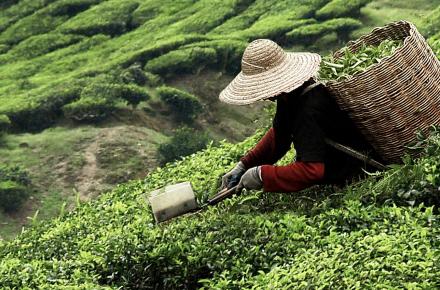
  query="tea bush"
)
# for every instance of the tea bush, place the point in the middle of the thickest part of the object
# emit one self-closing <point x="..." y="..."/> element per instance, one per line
<point x="12" y="195"/>
<point x="275" y="27"/>
<point x="42" y="44"/>
<point x="133" y="94"/>
<point x="45" y="107"/>
<point x="187" y="60"/>
<point x="38" y="23"/>
<point x="184" y="105"/>
<point x="310" y="33"/>
<point x="14" y="187"/>
<point x="431" y="23"/>
<point x="14" y="173"/>
<point x="341" y="8"/>
<point x="183" y="142"/>
<point x="228" y="53"/>
<point x="98" y="99"/>
<point x="161" y="47"/>
<point x="5" y="124"/>
<point x="89" y="109"/>
<point x="20" y="10"/>
<point x="134" y="74"/>
<point x="114" y="19"/>
<point x="251" y="13"/>
<point x="267" y="19"/>
<point x="5" y="4"/>
<point x="203" y="16"/>
<point x="347" y="239"/>
<point x="4" y="48"/>
<point x="70" y="7"/>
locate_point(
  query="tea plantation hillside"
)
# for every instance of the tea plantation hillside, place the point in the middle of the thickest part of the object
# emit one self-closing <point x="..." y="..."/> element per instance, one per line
<point x="96" y="75"/>
<point x="52" y="51"/>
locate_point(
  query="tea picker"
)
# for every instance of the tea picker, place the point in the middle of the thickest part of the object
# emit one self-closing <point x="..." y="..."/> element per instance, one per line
<point x="329" y="125"/>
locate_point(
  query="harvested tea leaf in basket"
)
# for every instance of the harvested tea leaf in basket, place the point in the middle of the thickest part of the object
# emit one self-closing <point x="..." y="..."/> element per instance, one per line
<point x="349" y="64"/>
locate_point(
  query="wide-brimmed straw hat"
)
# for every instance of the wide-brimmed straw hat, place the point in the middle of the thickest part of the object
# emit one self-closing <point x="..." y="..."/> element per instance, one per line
<point x="267" y="70"/>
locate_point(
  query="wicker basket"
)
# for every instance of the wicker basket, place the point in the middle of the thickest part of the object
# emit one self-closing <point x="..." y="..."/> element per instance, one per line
<point x="394" y="98"/>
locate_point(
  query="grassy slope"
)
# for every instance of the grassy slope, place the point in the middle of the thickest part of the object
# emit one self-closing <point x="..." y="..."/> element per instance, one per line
<point x="380" y="12"/>
<point x="56" y="160"/>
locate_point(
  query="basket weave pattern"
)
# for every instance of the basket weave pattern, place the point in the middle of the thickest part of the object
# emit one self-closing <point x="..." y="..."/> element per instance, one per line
<point x="394" y="98"/>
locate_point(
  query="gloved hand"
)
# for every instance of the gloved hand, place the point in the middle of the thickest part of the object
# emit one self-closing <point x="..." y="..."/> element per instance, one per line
<point x="251" y="179"/>
<point x="232" y="178"/>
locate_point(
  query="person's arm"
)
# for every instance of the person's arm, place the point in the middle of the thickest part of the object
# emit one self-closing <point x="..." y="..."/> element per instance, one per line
<point x="268" y="150"/>
<point x="293" y="177"/>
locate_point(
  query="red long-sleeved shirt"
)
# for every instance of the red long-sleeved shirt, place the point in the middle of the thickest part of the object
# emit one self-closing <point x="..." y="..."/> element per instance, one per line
<point x="306" y="118"/>
<point x="293" y="177"/>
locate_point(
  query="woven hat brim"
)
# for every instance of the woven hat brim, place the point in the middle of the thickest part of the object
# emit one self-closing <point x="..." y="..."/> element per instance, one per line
<point x="297" y="68"/>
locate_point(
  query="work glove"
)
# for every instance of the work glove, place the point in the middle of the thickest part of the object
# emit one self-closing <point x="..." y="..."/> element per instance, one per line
<point x="232" y="178"/>
<point x="251" y="179"/>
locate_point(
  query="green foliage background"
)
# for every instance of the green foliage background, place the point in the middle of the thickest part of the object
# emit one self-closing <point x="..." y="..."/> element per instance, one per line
<point x="382" y="232"/>
<point x="45" y="45"/>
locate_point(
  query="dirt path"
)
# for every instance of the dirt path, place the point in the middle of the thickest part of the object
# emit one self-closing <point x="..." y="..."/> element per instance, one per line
<point x="87" y="182"/>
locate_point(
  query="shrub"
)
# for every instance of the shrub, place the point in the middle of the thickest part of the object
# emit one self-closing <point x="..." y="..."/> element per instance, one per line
<point x="185" y="141"/>
<point x="4" y="48"/>
<point x="70" y="7"/>
<point x="97" y="100"/>
<point x="152" y="79"/>
<point x="89" y="109"/>
<point x="203" y="16"/>
<point x="273" y="27"/>
<point x="14" y="187"/>
<point x="431" y="23"/>
<point x="20" y="10"/>
<point x="42" y="44"/>
<point x="38" y="23"/>
<point x="135" y="74"/>
<point x="184" y="105"/>
<point x="185" y="60"/>
<point x="149" y="10"/>
<point x="251" y="13"/>
<point x="341" y="8"/>
<point x="45" y="106"/>
<point x="5" y="124"/>
<point x="110" y="17"/>
<point x="99" y="97"/>
<point x="12" y="195"/>
<point x="6" y="3"/>
<point x="89" y="42"/>
<point x="14" y="173"/>
<point x="268" y="19"/>
<point x="160" y="47"/>
<point x="34" y="116"/>
<point x="133" y="94"/>
<point x="228" y="52"/>
<point x="310" y="33"/>
<point x="435" y="44"/>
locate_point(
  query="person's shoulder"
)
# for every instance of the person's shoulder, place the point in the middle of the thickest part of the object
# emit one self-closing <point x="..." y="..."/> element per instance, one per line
<point x="316" y="94"/>
<point x="318" y="89"/>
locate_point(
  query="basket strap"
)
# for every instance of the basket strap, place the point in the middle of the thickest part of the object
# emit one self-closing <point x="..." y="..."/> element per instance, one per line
<point x="309" y="88"/>
<point x="355" y="154"/>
